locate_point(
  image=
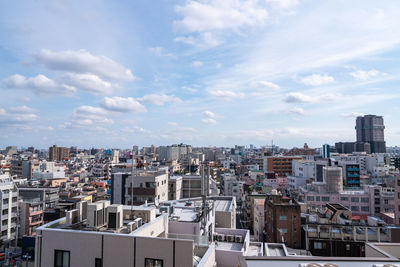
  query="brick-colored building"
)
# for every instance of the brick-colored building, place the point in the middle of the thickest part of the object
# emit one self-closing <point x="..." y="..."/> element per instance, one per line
<point x="397" y="199"/>
<point x="282" y="221"/>
<point x="31" y="217"/>
<point x="58" y="153"/>
<point x="281" y="165"/>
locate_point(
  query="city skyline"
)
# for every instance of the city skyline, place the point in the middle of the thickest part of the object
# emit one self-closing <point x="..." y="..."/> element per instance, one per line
<point x="104" y="74"/>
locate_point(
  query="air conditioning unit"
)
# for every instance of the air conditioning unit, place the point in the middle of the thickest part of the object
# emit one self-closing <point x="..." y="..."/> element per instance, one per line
<point x="230" y="238"/>
<point x="95" y="215"/>
<point x="82" y="208"/>
<point x="238" y="239"/>
<point x="131" y="226"/>
<point x="138" y="222"/>
<point x="221" y="237"/>
<point x="72" y="217"/>
<point x="115" y="216"/>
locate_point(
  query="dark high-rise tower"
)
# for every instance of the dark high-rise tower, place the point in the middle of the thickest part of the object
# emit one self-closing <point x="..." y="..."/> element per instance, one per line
<point x="370" y="129"/>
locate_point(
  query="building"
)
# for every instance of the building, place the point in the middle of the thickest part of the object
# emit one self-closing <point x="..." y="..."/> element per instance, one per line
<point x="336" y="232"/>
<point x="333" y="178"/>
<point x="326" y="151"/>
<point x="259" y="219"/>
<point x="370" y="129"/>
<point x="376" y="254"/>
<point x="175" y="188"/>
<point x="9" y="209"/>
<point x="281" y="165"/>
<point x="31" y="217"/>
<point x="397" y="200"/>
<point x="58" y="153"/>
<point x="282" y="221"/>
<point x="145" y="185"/>
<point x="48" y="196"/>
<point x="183" y="233"/>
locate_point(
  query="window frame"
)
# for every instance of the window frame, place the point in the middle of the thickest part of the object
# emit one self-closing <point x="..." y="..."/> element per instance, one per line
<point x="154" y="261"/>
<point x="62" y="257"/>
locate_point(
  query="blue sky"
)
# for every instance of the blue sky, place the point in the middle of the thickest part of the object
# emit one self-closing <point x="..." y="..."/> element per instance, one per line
<point x="118" y="73"/>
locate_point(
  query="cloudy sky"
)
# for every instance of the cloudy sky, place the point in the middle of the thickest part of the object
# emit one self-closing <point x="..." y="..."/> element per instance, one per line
<point x="203" y="72"/>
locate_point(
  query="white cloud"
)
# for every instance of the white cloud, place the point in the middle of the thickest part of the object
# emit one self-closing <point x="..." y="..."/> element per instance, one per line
<point x="89" y="82"/>
<point x="19" y="115"/>
<point x="268" y="84"/>
<point x="90" y="112"/>
<point x="39" y="84"/>
<point x="122" y="104"/>
<point x="159" y="99"/>
<point x="205" y="16"/>
<point x="197" y="64"/>
<point x="352" y="115"/>
<point x="363" y="75"/>
<point x="135" y="130"/>
<point x="22" y="110"/>
<point x="209" y="114"/>
<point x="226" y="94"/>
<point x="296" y="111"/>
<point x="209" y="121"/>
<point x="83" y="62"/>
<point x="160" y="51"/>
<point x="317" y="79"/>
<point x="296" y="97"/>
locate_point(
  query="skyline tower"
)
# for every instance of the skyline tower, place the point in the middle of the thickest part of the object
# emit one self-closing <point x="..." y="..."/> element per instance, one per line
<point x="370" y="129"/>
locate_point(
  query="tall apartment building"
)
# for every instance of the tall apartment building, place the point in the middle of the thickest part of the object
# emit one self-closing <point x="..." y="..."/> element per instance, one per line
<point x="58" y="153"/>
<point x="282" y="221"/>
<point x="370" y="129"/>
<point x="173" y="152"/>
<point x="31" y="217"/>
<point x="281" y="165"/>
<point x="145" y="185"/>
<point x="397" y="199"/>
<point x="9" y="209"/>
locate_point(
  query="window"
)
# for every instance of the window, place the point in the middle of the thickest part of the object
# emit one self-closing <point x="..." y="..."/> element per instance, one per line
<point x="282" y="218"/>
<point x="153" y="263"/>
<point x="364" y="199"/>
<point x="318" y="198"/>
<point x="317" y="245"/>
<point x="354" y="208"/>
<point x="366" y="208"/>
<point x="355" y="199"/>
<point x="344" y="199"/>
<point x="61" y="258"/>
<point x="283" y="230"/>
<point x="98" y="262"/>
<point x="325" y="199"/>
<point x="310" y="198"/>
<point x="386" y="201"/>
<point x="376" y="192"/>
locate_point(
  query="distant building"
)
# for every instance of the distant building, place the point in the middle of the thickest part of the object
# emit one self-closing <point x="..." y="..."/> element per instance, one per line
<point x="397" y="199"/>
<point x="9" y="209"/>
<point x="58" y="153"/>
<point x="281" y="165"/>
<point x="282" y="221"/>
<point x="370" y="129"/>
<point x="326" y="151"/>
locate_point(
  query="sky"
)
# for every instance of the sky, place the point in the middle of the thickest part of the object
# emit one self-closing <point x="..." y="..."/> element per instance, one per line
<point x="201" y="72"/>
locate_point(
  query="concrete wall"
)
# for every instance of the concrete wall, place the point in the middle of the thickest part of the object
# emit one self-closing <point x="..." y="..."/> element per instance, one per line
<point x="208" y="259"/>
<point x="155" y="228"/>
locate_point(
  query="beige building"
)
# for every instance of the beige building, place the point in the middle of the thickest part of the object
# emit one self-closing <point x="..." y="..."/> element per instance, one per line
<point x="259" y="221"/>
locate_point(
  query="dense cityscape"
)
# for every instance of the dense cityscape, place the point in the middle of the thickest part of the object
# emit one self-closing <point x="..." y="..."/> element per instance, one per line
<point x="179" y="205"/>
<point x="199" y="133"/>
